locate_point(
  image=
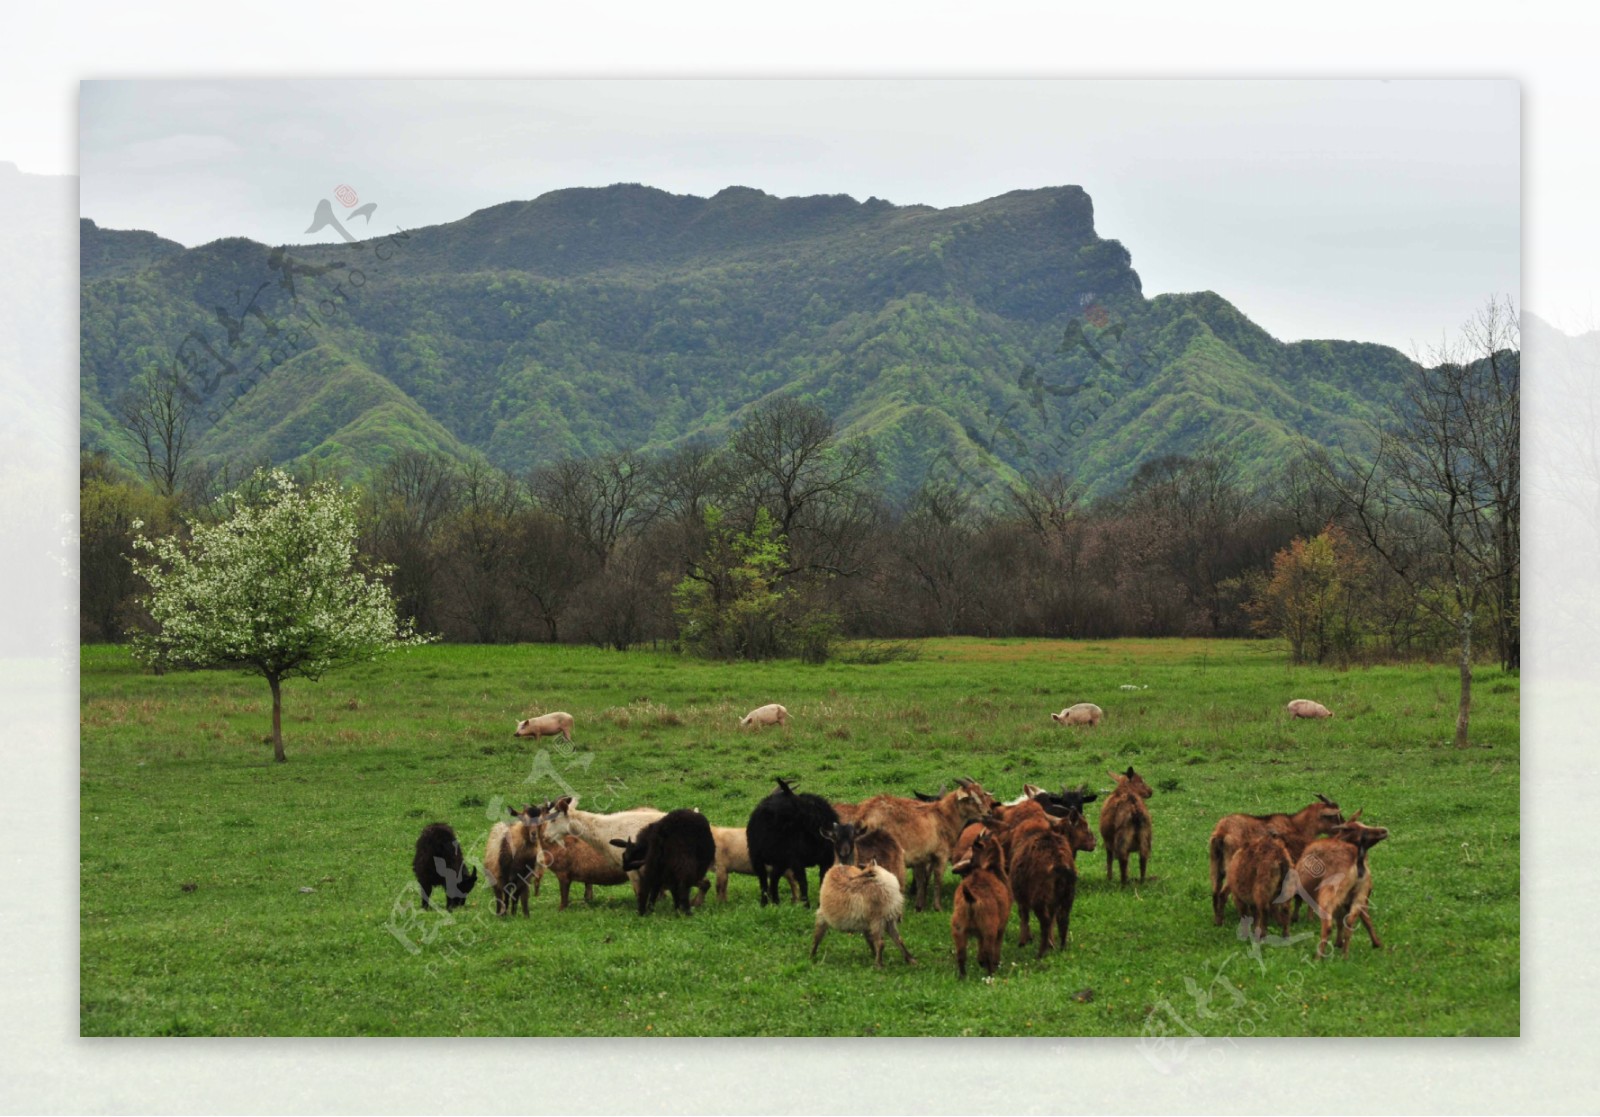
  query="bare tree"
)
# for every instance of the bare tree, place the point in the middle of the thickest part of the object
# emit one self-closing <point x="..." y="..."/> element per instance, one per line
<point x="626" y="604"/>
<point x="157" y="414"/>
<point x="479" y="538"/>
<point x="1440" y="501"/>
<point x="548" y="563"/>
<point x="1494" y="338"/>
<point x="1302" y="495"/>
<point x="935" y="546"/>
<point x="683" y="482"/>
<point x="600" y="499"/>
<point x="409" y="502"/>
<point x="786" y="457"/>
<point x="1199" y="504"/>
<point x="1048" y="504"/>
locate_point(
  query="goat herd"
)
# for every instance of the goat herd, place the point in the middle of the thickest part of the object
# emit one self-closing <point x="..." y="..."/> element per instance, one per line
<point x="1019" y="854"/>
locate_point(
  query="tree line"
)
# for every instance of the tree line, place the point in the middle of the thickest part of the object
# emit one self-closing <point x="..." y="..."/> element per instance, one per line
<point x="777" y="542"/>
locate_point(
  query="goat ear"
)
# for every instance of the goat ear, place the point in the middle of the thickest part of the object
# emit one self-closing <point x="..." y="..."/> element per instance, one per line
<point x="620" y="843"/>
<point x="1113" y="775"/>
<point x="1353" y="817"/>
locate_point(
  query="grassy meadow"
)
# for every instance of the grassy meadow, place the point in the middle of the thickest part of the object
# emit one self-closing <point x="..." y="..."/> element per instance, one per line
<point x="222" y="894"/>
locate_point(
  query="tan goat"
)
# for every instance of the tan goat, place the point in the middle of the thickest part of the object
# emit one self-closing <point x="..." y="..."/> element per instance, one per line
<point x="927" y="832"/>
<point x="512" y="857"/>
<point x="1336" y="880"/>
<point x="733" y="856"/>
<point x="861" y="899"/>
<point x="1235" y="830"/>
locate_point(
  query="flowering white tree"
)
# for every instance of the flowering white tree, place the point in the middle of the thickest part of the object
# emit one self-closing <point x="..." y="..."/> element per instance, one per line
<point x="275" y="590"/>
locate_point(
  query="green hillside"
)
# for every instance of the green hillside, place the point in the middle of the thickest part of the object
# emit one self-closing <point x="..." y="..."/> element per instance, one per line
<point x="981" y="340"/>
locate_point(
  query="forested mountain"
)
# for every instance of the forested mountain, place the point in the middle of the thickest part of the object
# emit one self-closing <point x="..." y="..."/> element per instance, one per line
<point x="980" y="341"/>
<point x="106" y="252"/>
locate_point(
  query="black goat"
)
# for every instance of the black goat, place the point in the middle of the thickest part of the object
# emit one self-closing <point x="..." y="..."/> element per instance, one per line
<point x="439" y="863"/>
<point x="674" y="852"/>
<point x="785" y="834"/>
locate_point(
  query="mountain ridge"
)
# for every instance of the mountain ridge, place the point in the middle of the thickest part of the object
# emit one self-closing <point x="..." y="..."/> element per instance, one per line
<point x="596" y="319"/>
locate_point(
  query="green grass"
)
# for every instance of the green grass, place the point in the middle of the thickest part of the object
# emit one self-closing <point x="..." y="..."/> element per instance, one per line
<point x="196" y="850"/>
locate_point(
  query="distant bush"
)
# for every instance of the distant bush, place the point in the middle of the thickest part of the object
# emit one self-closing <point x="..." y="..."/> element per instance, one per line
<point x="869" y="652"/>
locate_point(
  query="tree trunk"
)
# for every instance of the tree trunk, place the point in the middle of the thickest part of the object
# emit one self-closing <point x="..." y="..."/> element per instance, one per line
<point x="277" y="718"/>
<point x="1465" y="709"/>
<point x="1510" y="637"/>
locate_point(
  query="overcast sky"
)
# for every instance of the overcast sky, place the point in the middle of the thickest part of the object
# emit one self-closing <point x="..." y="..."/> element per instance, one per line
<point x="1373" y="210"/>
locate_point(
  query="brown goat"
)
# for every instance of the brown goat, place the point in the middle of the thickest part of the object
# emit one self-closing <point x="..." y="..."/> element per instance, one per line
<point x="1125" y="823"/>
<point x="1044" y="878"/>
<point x="1336" y="880"/>
<point x="982" y="903"/>
<point x="574" y="861"/>
<point x="988" y="824"/>
<point x="927" y="832"/>
<point x="1234" y="831"/>
<point x="999" y="821"/>
<point x="856" y="844"/>
<point x="1021" y="819"/>
<point x="1262" y="879"/>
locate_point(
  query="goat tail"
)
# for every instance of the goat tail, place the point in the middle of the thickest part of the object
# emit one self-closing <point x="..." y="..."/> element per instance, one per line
<point x="1218" y="868"/>
<point x="1138" y="838"/>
